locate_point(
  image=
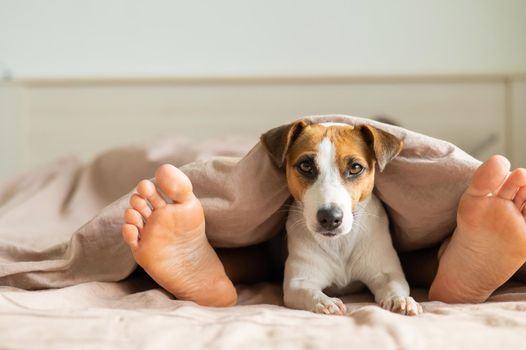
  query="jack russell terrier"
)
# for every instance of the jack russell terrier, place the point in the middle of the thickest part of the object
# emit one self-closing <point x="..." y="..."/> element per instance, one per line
<point x="337" y="230"/>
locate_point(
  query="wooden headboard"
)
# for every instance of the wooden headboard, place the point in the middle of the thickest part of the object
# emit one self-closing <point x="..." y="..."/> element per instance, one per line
<point x="44" y="119"/>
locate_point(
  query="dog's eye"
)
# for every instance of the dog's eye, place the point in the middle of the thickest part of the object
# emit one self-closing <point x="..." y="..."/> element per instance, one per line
<point x="306" y="167"/>
<point x="355" y="169"/>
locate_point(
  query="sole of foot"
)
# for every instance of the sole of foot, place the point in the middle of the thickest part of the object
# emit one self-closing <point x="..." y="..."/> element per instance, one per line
<point x="489" y="243"/>
<point x="165" y="230"/>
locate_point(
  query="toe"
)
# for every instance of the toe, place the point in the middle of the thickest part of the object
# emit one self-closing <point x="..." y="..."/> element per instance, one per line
<point x="147" y="190"/>
<point x="513" y="183"/>
<point x="341" y="306"/>
<point x="387" y="304"/>
<point x="132" y="217"/>
<point x="412" y="308"/>
<point x="130" y="234"/>
<point x="330" y="306"/>
<point x="489" y="176"/>
<point x="173" y="183"/>
<point x="333" y="309"/>
<point x="138" y="203"/>
<point x="520" y="198"/>
<point x="399" y="305"/>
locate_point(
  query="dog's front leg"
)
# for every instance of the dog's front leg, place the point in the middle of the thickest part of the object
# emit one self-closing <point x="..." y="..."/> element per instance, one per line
<point x="303" y="286"/>
<point x="391" y="292"/>
<point x="308" y="295"/>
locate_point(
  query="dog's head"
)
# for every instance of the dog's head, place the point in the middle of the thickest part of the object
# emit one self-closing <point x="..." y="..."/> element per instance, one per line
<point x="330" y="168"/>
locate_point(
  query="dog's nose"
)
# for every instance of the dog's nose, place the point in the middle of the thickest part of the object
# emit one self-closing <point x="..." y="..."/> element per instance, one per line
<point x="330" y="218"/>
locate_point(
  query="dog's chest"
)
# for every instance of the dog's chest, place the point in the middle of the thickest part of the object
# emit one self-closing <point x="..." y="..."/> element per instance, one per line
<point x="335" y="258"/>
<point x="339" y="255"/>
<point x="341" y="260"/>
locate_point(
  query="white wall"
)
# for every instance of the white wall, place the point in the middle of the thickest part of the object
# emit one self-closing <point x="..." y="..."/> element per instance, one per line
<point x="9" y="129"/>
<point x="451" y="41"/>
<point x="68" y="38"/>
<point x="518" y="122"/>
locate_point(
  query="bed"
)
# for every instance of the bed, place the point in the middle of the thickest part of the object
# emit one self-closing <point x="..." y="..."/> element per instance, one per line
<point x="63" y="290"/>
<point x="135" y="314"/>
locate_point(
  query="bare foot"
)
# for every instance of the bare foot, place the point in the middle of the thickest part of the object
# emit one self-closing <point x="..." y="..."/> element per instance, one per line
<point x="489" y="243"/>
<point x="168" y="240"/>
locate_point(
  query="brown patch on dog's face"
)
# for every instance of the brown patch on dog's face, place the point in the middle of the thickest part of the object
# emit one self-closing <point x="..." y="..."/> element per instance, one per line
<point x="352" y="152"/>
<point x="304" y="148"/>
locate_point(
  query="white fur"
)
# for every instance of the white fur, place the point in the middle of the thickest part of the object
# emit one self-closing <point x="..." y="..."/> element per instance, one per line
<point x="327" y="124"/>
<point x="328" y="188"/>
<point x="363" y="252"/>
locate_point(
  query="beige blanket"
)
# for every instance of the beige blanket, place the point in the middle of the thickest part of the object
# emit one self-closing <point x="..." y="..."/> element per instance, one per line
<point x="58" y="229"/>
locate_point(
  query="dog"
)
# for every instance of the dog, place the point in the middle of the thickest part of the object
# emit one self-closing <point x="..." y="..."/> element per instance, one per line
<point x="337" y="230"/>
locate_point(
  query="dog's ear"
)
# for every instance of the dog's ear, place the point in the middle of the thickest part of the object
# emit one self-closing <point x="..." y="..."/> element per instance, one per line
<point x="277" y="141"/>
<point x="385" y="145"/>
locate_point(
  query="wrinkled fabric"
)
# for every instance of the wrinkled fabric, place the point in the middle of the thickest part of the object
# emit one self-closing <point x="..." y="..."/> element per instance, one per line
<point x="60" y="224"/>
<point x="131" y="314"/>
<point x="60" y="228"/>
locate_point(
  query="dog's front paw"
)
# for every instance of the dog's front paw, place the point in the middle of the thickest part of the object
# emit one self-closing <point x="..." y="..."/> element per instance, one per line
<point x="330" y="306"/>
<point x="402" y="305"/>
